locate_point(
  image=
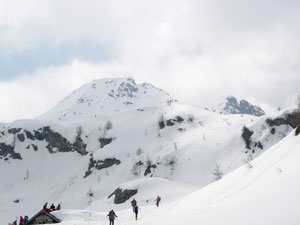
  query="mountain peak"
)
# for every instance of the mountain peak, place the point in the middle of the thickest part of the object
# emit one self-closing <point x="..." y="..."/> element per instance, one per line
<point x="106" y="96"/>
<point x="232" y="106"/>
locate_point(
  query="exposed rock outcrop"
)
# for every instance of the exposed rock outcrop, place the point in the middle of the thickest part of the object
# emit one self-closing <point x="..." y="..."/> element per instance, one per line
<point x="8" y="151"/>
<point x="105" y="141"/>
<point x="122" y="196"/>
<point x="100" y="164"/>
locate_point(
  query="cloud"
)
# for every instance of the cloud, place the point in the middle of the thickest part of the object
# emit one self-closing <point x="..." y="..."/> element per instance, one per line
<point x="199" y="51"/>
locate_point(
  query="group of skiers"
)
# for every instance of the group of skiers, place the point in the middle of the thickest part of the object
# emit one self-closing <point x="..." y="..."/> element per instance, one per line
<point x="51" y="208"/>
<point x="22" y="221"/>
<point x="112" y="215"/>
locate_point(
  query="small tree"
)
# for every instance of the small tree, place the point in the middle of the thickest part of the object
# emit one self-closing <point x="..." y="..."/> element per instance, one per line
<point x="218" y="174"/>
<point x="90" y="195"/>
<point x="136" y="169"/>
<point x="175" y="146"/>
<point x="191" y="118"/>
<point x="108" y="125"/>
<point x="79" y="131"/>
<point x="14" y="141"/>
<point x="139" y="151"/>
<point x="27" y="174"/>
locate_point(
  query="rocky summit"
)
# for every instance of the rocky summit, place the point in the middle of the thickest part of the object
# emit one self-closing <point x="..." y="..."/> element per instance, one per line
<point x="232" y="106"/>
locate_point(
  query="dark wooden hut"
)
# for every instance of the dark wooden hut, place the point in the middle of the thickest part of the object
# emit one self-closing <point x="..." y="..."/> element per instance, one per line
<point x="42" y="217"/>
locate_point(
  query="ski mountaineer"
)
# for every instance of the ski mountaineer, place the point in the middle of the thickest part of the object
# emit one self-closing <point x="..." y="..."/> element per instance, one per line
<point x="26" y="219"/>
<point x="52" y="207"/>
<point x="21" y="221"/>
<point x="133" y="204"/>
<point x="136" y="211"/>
<point x="157" y="200"/>
<point x="111" y="216"/>
<point x="45" y="205"/>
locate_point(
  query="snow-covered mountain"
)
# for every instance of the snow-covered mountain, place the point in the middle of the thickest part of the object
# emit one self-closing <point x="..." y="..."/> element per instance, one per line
<point x="150" y="147"/>
<point x="232" y="106"/>
<point x="105" y="96"/>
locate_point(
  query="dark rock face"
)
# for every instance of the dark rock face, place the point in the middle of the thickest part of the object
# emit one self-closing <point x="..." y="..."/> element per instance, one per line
<point x="178" y="119"/>
<point x="100" y="164"/>
<point x="56" y="140"/>
<point x="105" y="141"/>
<point x="291" y="119"/>
<point x="122" y="196"/>
<point x="246" y="135"/>
<point x="35" y="148"/>
<point x="297" y="131"/>
<point x="8" y="151"/>
<point x="149" y="167"/>
<point x="273" y="130"/>
<point x="80" y="146"/>
<point x="39" y="136"/>
<point x="260" y="145"/>
<point x="14" y="130"/>
<point x="170" y="122"/>
<point x="21" y="137"/>
<point x="161" y="124"/>
<point x="29" y="135"/>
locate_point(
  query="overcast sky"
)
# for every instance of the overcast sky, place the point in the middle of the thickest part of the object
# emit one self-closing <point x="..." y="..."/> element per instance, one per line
<point x="199" y="51"/>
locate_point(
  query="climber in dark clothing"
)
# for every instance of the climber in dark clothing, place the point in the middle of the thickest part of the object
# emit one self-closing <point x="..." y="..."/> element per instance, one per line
<point x="157" y="200"/>
<point x="52" y="207"/>
<point x="111" y="216"/>
<point x="136" y="211"/>
<point x="45" y="205"/>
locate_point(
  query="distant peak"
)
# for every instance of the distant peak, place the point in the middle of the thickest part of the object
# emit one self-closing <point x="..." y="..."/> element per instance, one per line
<point x="105" y="96"/>
<point x="232" y="106"/>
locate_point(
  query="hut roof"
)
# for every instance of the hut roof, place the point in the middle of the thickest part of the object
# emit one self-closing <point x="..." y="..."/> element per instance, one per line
<point x="45" y="212"/>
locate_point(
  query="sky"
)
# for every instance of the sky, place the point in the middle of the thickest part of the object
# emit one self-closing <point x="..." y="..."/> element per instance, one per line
<point x="200" y="51"/>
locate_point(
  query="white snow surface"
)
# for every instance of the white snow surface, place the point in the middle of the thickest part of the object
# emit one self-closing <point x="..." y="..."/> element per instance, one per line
<point x="266" y="194"/>
<point x="185" y="154"/>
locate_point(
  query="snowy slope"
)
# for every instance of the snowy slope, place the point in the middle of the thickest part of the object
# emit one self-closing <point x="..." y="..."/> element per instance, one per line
<point x="265" y="194"/>
<point x="106" y="96"/>
<point x="172" y="153"/>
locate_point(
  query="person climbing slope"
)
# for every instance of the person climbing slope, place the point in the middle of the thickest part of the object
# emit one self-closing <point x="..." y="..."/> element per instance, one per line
<point x="21" y="222"/>
<point x="136" y="211"/>
<point x="45" y="205"/>
<point x="133" y="204"/>
<point x="52" y="207"/>
<point x="158" y="200"/>
<point x="111" y="216"/>
<point x="26" y="219"/>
